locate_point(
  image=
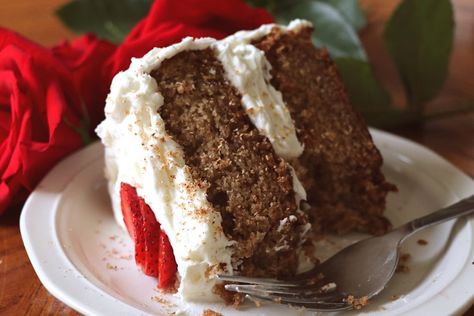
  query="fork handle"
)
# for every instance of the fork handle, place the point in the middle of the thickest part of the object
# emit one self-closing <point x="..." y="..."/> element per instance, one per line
<point x="461" y="208"/>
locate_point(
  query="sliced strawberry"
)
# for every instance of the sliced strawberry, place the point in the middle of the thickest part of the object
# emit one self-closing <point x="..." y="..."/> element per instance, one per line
<point x="130" y="208"/>
<point x="167" y="263"/>
<point x="132" y="216"/>
<point x="151" y="233"/>
<point x="153" y="251"/>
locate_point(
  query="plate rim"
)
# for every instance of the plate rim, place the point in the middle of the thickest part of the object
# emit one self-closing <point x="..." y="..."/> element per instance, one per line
<point x="66" y="170"/>
<point x="63" y="172"/>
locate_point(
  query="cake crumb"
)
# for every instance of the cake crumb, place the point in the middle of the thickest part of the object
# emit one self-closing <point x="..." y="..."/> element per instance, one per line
<point x="404" y="257"/>
<point x="162" y="301"/>
<point x="230" y="298"/>
<point x="126" y="257"/>
<point x="210" y="312"/>
<point x="422" y="242"/>
<point x="357" y="303"/>
<point x="111" y="266"/>
<point x="257" y="302"/>
<point x="394" y="297"/>
<point x="159" y="300"/>
<point x="328" y="287"/>
<point x="402" y="266"/>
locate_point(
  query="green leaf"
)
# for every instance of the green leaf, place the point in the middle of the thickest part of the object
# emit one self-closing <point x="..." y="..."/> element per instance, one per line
<point x="351" y="11"/>
<point x="268" y="4"/>
<point x="363" y="88"/>
<point x="369" y="97"/>
<point x="331" y="28"/>
<point x="419" y="36"/>
<point x="108" y="19"/>
<point x="271" y="5"/>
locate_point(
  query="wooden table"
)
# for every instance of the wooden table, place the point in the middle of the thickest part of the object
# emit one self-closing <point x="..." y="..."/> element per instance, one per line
<point x="21" y="293"/>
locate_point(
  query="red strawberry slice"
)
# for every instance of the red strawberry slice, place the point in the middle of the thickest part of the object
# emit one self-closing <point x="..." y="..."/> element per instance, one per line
<point x="151" y="233"/>
<point x="167" y="263"/>
<point x="130" y="208"/>
<point x="132" y="216"/>
<point x="153" y="251"/>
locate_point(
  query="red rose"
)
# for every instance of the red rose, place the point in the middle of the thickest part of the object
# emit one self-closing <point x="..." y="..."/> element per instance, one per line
<point x="38" y="123"/>
<point x="86" y="58"/>
<point x="169" y="21"/>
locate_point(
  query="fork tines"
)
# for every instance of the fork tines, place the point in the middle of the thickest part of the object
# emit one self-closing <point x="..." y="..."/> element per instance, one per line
<point x="311" y="293"/>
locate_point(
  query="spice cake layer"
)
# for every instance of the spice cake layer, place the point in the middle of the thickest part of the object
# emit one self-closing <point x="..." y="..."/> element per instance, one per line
<point x="340" y="165"/>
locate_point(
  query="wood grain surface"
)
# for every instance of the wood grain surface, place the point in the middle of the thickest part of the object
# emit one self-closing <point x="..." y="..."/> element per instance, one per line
<point x="21" y="293"/>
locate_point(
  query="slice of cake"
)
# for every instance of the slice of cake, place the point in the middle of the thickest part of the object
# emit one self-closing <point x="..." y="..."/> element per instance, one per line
<point x="340" y="166"/>
<point x="206" y="143"/>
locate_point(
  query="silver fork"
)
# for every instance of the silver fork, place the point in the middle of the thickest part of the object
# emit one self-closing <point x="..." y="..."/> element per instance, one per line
<point x="349" y="278"/>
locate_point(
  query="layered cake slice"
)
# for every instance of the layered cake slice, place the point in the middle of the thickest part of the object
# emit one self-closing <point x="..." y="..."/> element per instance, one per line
<point x="209" y="146"/>
<point x="340" y="166"/>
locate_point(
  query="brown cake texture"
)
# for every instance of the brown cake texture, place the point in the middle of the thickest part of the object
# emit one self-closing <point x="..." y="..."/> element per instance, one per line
<point x="340" y="165"/>
<point x="246" y="181"/>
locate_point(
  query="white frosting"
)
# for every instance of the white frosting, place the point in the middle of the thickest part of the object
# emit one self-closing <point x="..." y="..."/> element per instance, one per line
<point x="249" y="71"/>
<point x="140" y="152"/>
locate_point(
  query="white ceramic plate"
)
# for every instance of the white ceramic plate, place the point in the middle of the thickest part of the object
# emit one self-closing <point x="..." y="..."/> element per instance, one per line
<point x="84" y="259"/>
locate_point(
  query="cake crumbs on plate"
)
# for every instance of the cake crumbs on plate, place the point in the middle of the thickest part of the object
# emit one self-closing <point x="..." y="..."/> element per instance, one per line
<point x="277" y="300"/>
<point x="357" y="303"/>
<point x="256" y="301"/>
<point x="111" y="266"/>
<point x="422" y="242"/>
<point x="163" y="301"/>
<point x="126" y="257"/>
<point x="394" y="297"/>
<point x="210" y="312"/>
<point x="402" y="266"/>
<point x="329" y="287"/>
<point x="299" y="309"/>
<point x="230" y="298"/>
